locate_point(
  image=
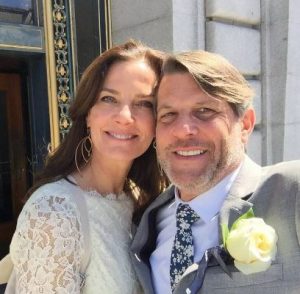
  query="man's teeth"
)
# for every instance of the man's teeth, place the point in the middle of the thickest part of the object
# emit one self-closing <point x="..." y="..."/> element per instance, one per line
<point x="121" y="137"/>
<point x="190" y="152"/>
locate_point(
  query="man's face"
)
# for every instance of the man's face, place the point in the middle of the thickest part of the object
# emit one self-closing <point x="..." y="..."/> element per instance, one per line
<point x="199" y="138"/>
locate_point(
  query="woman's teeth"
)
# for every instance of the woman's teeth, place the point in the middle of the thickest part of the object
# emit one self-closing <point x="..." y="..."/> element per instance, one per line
<point x="121" y="136"/>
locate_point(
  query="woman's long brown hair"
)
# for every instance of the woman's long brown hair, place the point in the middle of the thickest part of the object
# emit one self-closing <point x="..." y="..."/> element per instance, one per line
<point x="144" y="178"/>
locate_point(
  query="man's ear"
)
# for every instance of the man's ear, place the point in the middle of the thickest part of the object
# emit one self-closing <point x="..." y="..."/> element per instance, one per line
<point x="248" y="122"/>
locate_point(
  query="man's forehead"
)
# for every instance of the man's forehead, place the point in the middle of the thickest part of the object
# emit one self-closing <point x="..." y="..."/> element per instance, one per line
<point x="183" y="86"/>
<point x="169" y="103"/>
<point x="169" y="77"/>
<point x="175" y="83"/>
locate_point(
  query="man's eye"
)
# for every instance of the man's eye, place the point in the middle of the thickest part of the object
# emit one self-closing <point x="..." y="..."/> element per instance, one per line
<point x="166" y="117"/>
<point x="144" y="103"/>
<point x="108" y="99"/>
<point x="204" y="112"/>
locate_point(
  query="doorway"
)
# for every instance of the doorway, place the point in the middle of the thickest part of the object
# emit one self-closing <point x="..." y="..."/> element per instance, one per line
<point x="13" y="162"/>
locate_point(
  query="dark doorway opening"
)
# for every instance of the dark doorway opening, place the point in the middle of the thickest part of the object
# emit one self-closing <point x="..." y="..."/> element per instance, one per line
<point x="24" y="129"/>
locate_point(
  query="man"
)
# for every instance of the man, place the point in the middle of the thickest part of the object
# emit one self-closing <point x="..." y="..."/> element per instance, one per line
<point x="204" y="120"/>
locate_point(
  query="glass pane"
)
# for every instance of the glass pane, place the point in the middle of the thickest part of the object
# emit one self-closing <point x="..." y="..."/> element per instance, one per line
<point x="16" y="11"/>
<point x="21" y="4"/>
<point x="5" y="174"/>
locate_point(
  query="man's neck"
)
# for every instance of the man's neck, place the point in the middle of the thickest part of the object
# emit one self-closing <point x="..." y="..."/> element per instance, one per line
<point x="189" y="194"/>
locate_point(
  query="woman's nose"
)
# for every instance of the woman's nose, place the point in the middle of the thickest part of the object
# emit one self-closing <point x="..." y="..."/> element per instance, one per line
<point x="125" y="115"/>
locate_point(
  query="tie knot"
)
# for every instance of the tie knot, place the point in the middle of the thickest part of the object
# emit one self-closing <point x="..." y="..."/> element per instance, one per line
<point x="185" y="214"/>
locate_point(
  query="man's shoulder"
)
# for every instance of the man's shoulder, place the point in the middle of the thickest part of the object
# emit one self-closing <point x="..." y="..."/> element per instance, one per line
<point x="253" y="178"/>
<point x="280" y="178"/>
<point x="284" y="169"/>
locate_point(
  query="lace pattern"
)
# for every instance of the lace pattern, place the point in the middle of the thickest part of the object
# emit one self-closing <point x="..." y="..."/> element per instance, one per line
<point x="47" y="246"/>
<point x="110" y="269"/>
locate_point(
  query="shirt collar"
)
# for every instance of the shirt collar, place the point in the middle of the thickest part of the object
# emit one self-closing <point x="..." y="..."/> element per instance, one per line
<point x="208" y="204"/>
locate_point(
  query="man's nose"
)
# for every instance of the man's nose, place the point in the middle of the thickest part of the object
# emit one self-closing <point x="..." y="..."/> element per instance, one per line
<point x="185" y="127"/>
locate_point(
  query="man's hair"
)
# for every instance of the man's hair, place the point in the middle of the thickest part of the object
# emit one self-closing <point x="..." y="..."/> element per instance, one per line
<point x="214" y="75"/>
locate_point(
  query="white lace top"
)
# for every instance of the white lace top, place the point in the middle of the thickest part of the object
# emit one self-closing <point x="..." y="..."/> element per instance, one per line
<point x="48" y="244"/>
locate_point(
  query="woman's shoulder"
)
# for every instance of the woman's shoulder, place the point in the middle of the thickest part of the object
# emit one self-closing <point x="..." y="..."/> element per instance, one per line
<point x="49" y="220"/>
<point x="54" y="196"/>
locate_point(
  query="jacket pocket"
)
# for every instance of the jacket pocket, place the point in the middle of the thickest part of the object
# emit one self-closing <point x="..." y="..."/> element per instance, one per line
<point x="216" y="279"/>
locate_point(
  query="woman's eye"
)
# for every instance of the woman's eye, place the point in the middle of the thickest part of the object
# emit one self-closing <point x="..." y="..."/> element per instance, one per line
<point x="144" y="103"/>
<point x="108" y="99"/>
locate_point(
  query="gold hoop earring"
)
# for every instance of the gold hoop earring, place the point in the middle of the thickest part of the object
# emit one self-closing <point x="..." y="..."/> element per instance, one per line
<point x="154" y="144"/>
<point x="86" y="151"/>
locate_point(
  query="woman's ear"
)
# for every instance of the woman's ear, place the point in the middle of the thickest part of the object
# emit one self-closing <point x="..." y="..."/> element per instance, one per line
<point x="87" y="121"/>
<point x="248" y="122"/>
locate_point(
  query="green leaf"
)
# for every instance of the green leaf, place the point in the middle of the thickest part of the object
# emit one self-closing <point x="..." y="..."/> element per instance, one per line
<point x="225" y="232"/>
<point x="246" y="215"/>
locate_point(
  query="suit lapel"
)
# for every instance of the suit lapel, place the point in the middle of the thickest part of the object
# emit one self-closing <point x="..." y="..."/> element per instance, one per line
<point x="142" y="233"/>
<point x="144" y="240"/>
<point x="244" y="185"/>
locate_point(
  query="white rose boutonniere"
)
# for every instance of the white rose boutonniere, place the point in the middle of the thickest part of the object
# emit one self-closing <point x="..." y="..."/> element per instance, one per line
<point x="251" y="243"/>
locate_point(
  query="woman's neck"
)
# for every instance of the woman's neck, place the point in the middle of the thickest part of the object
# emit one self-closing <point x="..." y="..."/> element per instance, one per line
<point x="103" y="176"/>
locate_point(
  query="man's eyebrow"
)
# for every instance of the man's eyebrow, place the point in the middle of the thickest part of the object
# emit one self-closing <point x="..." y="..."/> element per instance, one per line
<point x="198" y="104"/>
<point x="164" y="106"/>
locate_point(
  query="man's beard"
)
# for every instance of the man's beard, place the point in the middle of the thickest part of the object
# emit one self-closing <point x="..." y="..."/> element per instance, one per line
<point x="196" y="181"/>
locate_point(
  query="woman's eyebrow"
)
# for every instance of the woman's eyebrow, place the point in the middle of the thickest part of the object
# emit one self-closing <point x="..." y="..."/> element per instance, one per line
<point x="151" y="95"/>
<point x="142" y="95"/>
<point x="110" y="90"/>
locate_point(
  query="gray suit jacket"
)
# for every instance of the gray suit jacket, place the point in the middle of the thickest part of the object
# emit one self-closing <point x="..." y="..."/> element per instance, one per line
<point x="275" y="195"/>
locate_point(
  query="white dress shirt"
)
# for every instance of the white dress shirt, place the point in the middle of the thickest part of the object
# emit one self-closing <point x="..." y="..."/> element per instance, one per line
<point x="205" y="231"/>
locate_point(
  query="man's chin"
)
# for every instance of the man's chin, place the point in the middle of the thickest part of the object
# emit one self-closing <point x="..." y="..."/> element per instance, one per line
<point x="192" y="184"/>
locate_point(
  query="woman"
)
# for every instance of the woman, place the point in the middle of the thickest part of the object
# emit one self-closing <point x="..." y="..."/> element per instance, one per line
<point x="108" y="156"/>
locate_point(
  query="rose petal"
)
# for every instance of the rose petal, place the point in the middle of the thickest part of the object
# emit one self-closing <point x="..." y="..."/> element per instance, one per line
<point x="239" y="246"/>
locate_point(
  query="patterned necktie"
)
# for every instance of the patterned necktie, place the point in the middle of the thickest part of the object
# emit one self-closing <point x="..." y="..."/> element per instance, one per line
<point x="182" y="255"/>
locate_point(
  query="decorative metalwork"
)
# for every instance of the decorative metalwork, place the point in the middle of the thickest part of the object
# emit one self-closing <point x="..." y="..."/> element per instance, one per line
<point x="61" y="59"/>
<point x="63" y="62"/>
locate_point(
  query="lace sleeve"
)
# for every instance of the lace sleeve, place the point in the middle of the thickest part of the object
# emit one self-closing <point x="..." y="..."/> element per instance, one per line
<point x="47" y="247"/>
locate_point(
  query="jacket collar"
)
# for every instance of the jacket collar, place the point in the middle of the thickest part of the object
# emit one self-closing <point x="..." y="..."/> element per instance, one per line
<point x="245" y="184"/>
<point x="141" y="234"/>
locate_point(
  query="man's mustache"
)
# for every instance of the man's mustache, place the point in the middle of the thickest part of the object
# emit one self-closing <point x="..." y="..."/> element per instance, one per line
<point x="188" y="143"/>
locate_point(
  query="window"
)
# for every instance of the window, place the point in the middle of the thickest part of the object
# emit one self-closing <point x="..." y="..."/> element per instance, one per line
<point x="18" y="11"/>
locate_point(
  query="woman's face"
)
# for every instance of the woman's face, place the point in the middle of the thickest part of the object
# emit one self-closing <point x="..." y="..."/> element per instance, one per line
<point x="122" y="120"/>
